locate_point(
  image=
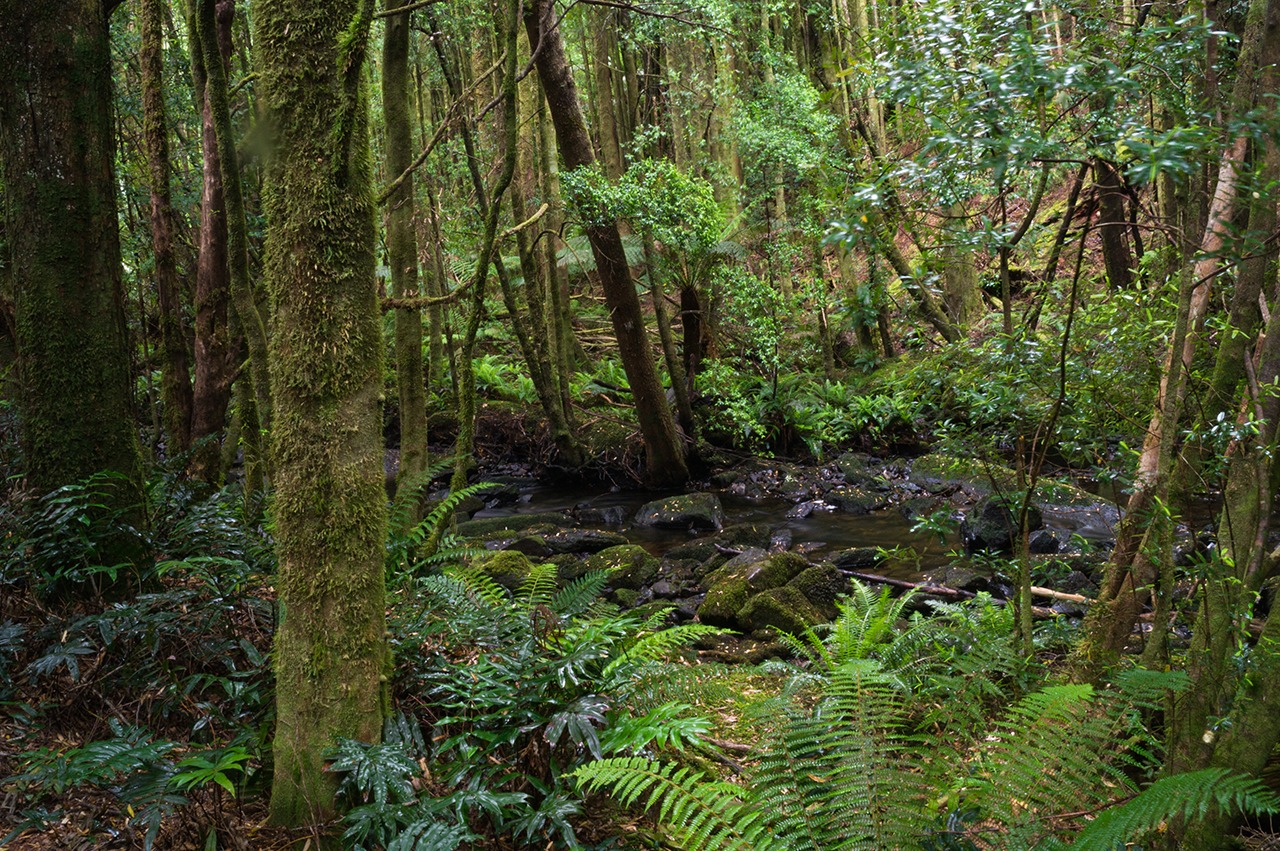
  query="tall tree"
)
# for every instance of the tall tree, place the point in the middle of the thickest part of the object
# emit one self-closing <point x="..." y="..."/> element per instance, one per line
<point x="665" y="454"/>
<point x="56" y="146"/>
<point x="326" y="381"/>
<point x="402" y="248"/>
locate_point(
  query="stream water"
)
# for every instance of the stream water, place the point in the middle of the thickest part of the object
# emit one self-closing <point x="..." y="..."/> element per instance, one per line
<point x="819" y="534"/>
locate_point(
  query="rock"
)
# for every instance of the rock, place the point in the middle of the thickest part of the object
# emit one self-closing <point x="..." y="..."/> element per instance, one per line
<point x="501" y="493"/>
<point x="758" y="569"/>
<point x="662" y="588"/>
<point x="992" y="525"/>
<point x="630" y="565"/>
<point x="785" y="609"/>
<point x="858" y="558"/>
<point x="855" y="500"/>
<point x="699" y="550"/>
<point x="687" y="608"/>
<point x="720" y="606"/>
<point x="531" y="545"/>
<point x="613" y="515"/>
<point x="690" y="511"/>
<point x="822" y="585"/>
<point x="741" y="535"/>
<point x="1043" y="542"/>
<point x="582" y="541"/>
<point x="859" y="469"/>
<point x="627" y="598"/>
<point x="964" y="578"/>
<point x="506" y="567"/>
<point x="780" y="540"/>
<point x="569" y="567"/>
<point x="514" y="522"/>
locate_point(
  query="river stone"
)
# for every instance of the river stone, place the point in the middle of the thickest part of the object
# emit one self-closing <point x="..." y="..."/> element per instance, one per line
<point x="822" y="585"/>
<point x="1043" y="542"/>
<point x="513" y="522"/>
<point x="721" y="605"/>
<point x="506" y="567"/>
<point x="858" y="558"/>
<point x="582" y="541"/>
<point x="992" y="524"/>
<point x="613" y="515"/>
<point x="692" y="510"/>
<point x="741" y="535"/>
<point x="630" y="565"/>
<point x="699" y="550"/>
<point x="859" y="470"/>
<point x="853" y="500"/>
<point x="785" y="609"/>
<point x="759" y="570"/>
<point x="534" y="546"/>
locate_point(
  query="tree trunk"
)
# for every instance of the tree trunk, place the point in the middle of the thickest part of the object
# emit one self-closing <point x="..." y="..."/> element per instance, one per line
<point x="1112" y="226"/>
<point x="214" y="350"/>
<point x="402" y="255"/>
<point x="175" y="368"/>
<point x="56" y="150"/>
<point x="331" y="655"/>
<point x="665" y="455"/>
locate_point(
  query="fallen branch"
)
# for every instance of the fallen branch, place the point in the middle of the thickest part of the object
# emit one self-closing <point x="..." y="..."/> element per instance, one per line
<point x="957" y="594"/>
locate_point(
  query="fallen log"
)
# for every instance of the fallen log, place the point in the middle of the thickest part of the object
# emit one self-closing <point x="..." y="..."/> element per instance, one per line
<point x="957" y="594"/>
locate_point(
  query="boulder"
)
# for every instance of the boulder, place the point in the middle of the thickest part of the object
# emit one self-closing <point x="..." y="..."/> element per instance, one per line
<point x="582" y="541"/>
<point x="785" y="609"/>
<point x="992" y="524"/>
<point x="690" y="511"/>
<point x="822" y="585"/>
<point x="630" y="565"/>
<point x="855" y="500"/>
<point x="858" y="558"/>
<point x="758" y="569"/>
<point x="514" y="522"/>
<point x="506" y="567"/>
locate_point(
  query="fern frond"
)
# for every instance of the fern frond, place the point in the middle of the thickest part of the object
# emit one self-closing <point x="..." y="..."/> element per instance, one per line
<point x="538" y="588"/>
<point x="580" y="595"/>
<point x="1190" y="796"/>
<point x="700" y="812"/>
<point x="659" y="645"/>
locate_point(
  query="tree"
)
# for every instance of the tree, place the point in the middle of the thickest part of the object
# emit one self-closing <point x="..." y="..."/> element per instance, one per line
<point x="665" y="454"/>
<point x="56" y="145"/>
<point x="326" y="383"/>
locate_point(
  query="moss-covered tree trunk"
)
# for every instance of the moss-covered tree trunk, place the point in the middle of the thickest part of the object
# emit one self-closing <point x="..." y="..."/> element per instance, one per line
<point x="56" y="147"/>
<point x="402" y="251"/>
<point x="665" y="454"/>
<point x="326" y="380"/>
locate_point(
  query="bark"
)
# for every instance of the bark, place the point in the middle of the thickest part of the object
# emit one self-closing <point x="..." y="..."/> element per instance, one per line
<point x="960" y="293"/>
<point x="175" y="369"/>
<point x="604" y="40"/>
<point x="56" y="150"/>
<point x="214" y="352"/>
<point x="1112" y="226"/>
<point x="331" y="656"/>
<point x="246" y="307"/>
<point x="402" y="254"/>
<point x="665" y="455"/>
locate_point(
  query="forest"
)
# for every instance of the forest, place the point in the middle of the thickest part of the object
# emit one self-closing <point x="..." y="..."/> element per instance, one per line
<point x="639" y="424"/>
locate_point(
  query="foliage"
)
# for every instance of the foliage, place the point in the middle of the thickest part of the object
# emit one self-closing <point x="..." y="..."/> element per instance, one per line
<point x="517" y="692"/>
<point x="848" y="773"/>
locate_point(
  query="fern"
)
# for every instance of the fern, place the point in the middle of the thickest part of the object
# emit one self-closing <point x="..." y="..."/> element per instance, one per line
<point x="1183" y="796"/>
<point x="426" y="544"/>
<point x="701" y="812"/>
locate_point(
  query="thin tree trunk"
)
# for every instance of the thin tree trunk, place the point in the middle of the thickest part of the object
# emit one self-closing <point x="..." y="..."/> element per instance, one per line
<point x="402" y="251"/>
<point x="175" y="369"/>
<point x="666" y="461"/>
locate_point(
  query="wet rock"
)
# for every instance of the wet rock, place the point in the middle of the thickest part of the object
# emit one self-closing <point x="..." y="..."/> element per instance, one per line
<point x="964" y="578"/>
<point x="690" y="511"/>
<point x="506" y="567"/>
<point x="699" y="550"/>
<point x="630" y="565"/>
<point x="512" y="522"/>
<point x="858" y="558"/>
<point x="780" y="540"/>
<point x="501" y="493"/>
<point x="758" y="570"/>
<point x="569" y="566"/>
<point x="534" y="546"/>
<point x="993" y="524"/>
<point x="613" y="515"/>
<point x="582" y="541"/>
<point x="859" y="469"/>
<point x="804" y="509"/>
<point x="741" y="535"/>
<point x="785" y="609"/>
<point x="720" y="606"/>
<point x="687" y="608"/>
<point x="662" y="588"/>
<point x="627" y="598"/>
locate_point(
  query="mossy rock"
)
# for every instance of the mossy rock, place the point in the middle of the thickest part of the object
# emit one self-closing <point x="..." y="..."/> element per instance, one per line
<point x="534" y="546"/>
<point x="626" y="597"/>
<point x="741" y="535"/>
<point x="506" y="567"/>
<point x="855" y="500"/>
<point x="723" y="601"/>
<point x="822" y="585"/>
<point x="630" y="565"/>
<point x="758" y="569"/>
<point x="700" y="550"/>
<point x="993" y="524"/>
<point x="691" y="510"/>
<point x="514" y="522"/>
<point x="785" y="609"/>
<point x="582" y="540"/>
<point x="939" y="471"/>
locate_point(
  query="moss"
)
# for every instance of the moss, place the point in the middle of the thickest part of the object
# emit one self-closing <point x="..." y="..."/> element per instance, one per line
<point x="785" y="608"/>
<point x="630" y="564"/>
<point x="506" y="567"/>
<point x="723" y="600"/>
<point x="487" y="526"/>
<point x="822" y="585"/>
<point x="759" y="571"/>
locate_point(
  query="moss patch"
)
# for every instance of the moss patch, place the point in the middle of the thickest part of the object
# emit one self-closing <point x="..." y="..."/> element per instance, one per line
<point x="785" y="608"/>
<point x="507" y="567"/>
<point x="630" y="564"/>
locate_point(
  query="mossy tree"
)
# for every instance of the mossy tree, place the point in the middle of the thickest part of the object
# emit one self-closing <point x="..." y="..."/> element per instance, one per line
<point x="326" y="380"/>
<point x="57" y="146"/>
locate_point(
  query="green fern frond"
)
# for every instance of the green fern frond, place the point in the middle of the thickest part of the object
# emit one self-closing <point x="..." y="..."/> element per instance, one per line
<point x="700" y="812"/>
<point x="580" y="595"/>
<point x="539" y="587"/>
<point x="653" y="646"/>
<point x="1189" y="796"/>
